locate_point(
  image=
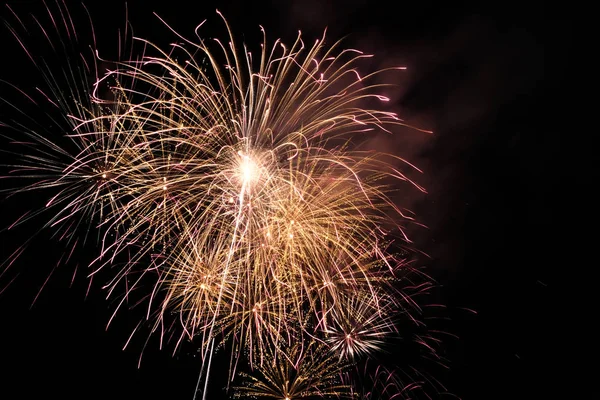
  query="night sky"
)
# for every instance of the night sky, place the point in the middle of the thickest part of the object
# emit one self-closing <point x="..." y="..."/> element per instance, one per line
<point x="474" y="77"/>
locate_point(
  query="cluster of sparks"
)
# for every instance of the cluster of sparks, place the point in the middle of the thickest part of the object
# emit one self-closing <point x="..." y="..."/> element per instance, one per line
<point x="235" y="183"/>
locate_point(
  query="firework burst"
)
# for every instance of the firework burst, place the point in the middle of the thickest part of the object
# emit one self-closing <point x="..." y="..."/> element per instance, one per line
<point x="238" y="182"/>
<point x="358" y="326"/>
<point x="299" y="371"/>
<point x="250" y="164"/>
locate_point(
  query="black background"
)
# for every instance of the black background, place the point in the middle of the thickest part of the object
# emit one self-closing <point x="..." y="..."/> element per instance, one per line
<point x="474" y="78"/>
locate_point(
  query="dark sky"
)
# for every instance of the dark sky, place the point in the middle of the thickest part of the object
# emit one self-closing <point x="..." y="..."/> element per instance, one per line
<point x="474" y="78"/>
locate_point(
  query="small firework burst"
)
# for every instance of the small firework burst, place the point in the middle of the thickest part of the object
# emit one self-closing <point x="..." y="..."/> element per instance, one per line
<point x="358" y="326"/>
<point x="302" y="370"/>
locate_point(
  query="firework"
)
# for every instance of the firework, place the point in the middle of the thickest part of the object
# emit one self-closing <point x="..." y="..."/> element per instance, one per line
<point x="299" y="371"/>
<point x="249" y="166"/>
<point x="358" y="327"/>
<point x="239" y="183"/>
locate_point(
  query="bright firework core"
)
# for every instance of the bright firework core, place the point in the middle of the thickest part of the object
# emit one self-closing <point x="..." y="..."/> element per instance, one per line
<point x="249" y="171"/>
